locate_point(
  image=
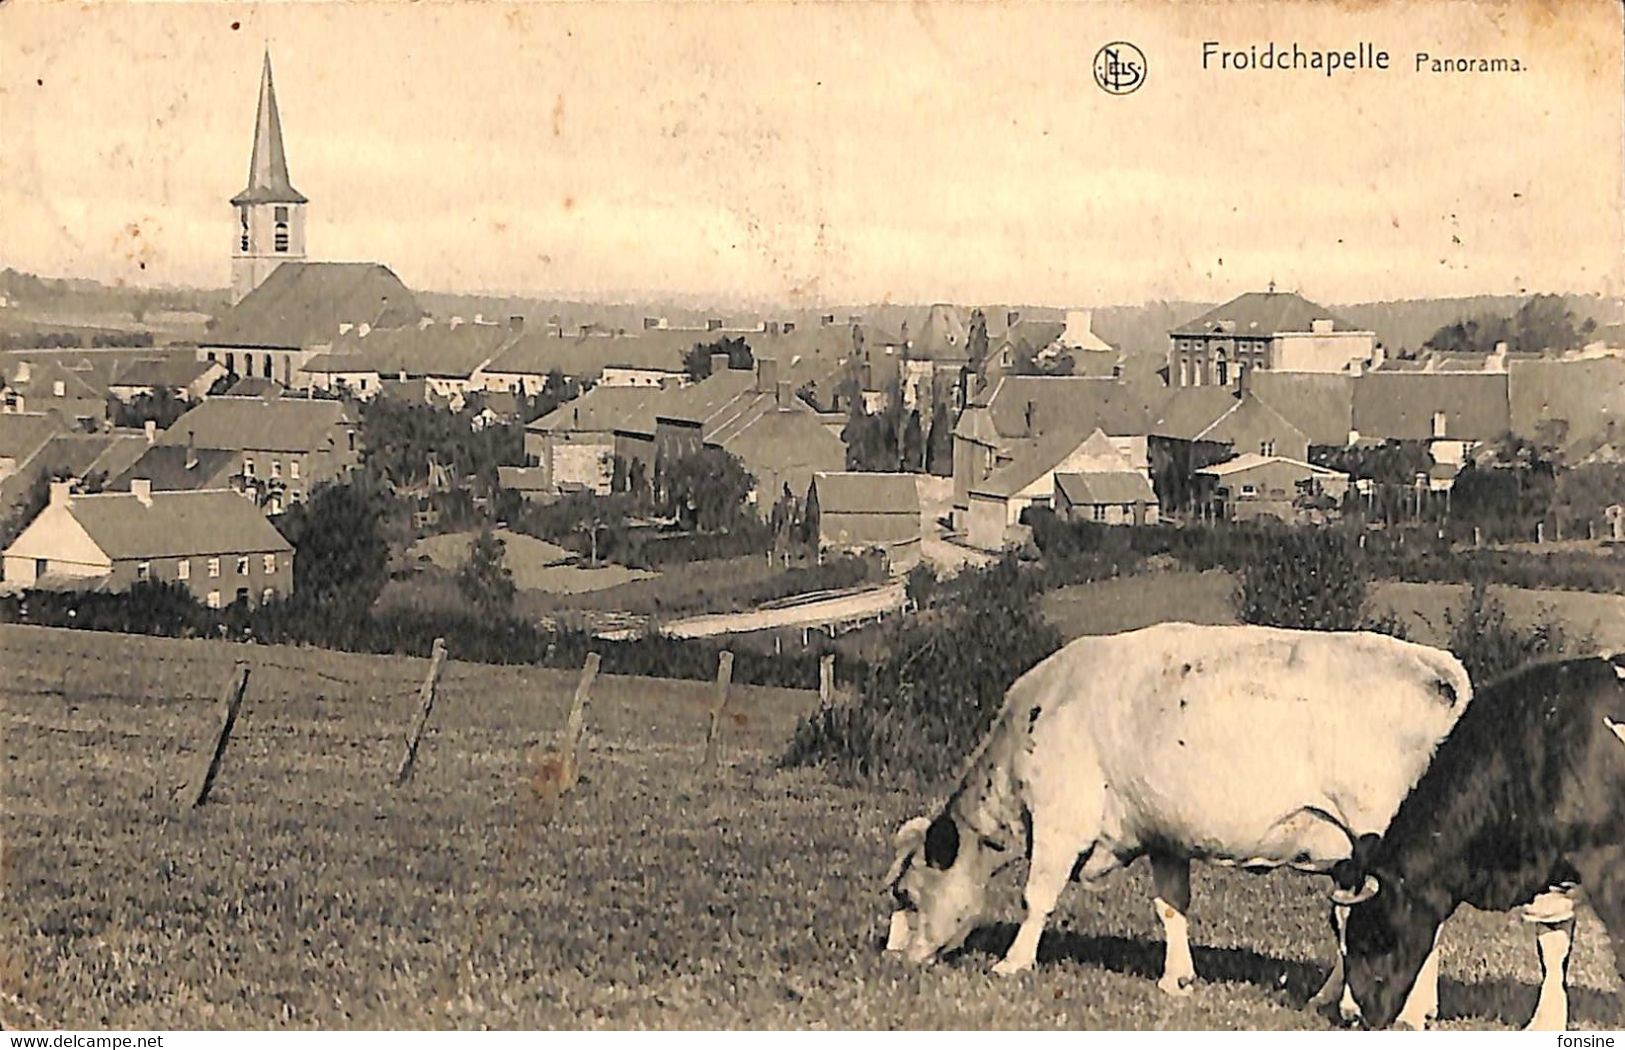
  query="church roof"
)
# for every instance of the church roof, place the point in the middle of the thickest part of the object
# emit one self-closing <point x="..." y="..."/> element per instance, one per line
<point x="302" y="304"/>
<point x="268" y="181"/>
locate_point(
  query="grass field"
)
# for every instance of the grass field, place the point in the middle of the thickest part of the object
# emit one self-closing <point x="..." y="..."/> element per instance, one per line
<point x="311" y="892"/>
<point x="536" y="565"/>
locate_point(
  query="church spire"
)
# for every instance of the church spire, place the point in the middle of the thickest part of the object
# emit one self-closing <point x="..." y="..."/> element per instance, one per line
<point x="268" y="181"/>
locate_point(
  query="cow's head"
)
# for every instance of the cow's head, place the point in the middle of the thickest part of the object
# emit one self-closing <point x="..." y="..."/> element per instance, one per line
<point x="1389" y="932"/>
<point x="937" y="882"/>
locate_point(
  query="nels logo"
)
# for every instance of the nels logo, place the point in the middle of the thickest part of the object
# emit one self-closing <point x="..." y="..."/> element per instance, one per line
<point x="1119" y="68"/>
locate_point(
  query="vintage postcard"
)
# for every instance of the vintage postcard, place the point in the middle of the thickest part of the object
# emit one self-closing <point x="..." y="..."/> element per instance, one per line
<point x="810" y="516"/>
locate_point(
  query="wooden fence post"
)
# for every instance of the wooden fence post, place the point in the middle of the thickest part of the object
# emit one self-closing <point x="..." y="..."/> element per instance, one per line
<point x="725" y="673"/>
<point x="231" y="701"/>
<point x="425" y="705"/>
<point x="826" y="679"/>
<point x="575" y="727"/>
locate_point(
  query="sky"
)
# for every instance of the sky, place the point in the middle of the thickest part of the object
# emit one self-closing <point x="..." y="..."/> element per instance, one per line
<point x="801" y="153"/>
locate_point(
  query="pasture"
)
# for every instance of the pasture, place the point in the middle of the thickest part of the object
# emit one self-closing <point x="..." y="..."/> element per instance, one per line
<point x="309" y="891"/>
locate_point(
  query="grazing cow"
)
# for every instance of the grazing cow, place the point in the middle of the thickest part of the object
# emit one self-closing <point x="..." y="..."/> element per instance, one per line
<point x="1249" y="746"/>
<point x="1523" y="804"/>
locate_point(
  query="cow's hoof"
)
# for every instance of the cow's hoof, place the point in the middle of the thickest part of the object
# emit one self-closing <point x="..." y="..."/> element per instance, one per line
<point x="1007" y="968"/>
<point x="1177" y="984"/>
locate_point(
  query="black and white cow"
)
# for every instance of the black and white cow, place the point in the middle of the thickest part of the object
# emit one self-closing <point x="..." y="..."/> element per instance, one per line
<point x="1524" y="805"/>
<point x="1250" y="746"/>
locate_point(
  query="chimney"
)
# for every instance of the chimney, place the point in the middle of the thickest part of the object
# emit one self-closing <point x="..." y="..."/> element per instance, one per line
<point x="651" y="323"/>
<point x="363" y="329"/>
<point x="151" y="429"/>
<point x="719" y="363"/>
<point x="479" y="318"/>
<point x="61" y="493"/>
<point x="1356" y="368"/>
<point x="1029" y="417"/>
<point x="827" y="320"/>
<point x="787" y="327"/>
<point x="456" y="320"/>
<point x="141" y="489"/>
<point x="713" y="324"/>
<point x="786" y="398"/>
<point x="1011" y="317"/>
<point x="767" y="375"/>
<point x="771" y="327"/>
<point x="191" y="450"/>
<point x="516" y="324"/>
<point x="22" y="372"/>
<point x="1244" y="382"/>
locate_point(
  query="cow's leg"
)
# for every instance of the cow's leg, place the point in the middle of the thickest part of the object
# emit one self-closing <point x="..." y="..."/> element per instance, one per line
<point x="1554" y="940"/>
<point x="1335" y="990"/>
<point x="1422" y="1004"/>
<point x="1049" y="869"/>
<point x="1172" y="878"/>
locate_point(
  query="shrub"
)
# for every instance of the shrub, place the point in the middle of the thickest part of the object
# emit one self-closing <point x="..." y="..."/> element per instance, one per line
<point x="929" y="702"/>
<point x="1310" y="580"/>
<point x="1488" y="645"/>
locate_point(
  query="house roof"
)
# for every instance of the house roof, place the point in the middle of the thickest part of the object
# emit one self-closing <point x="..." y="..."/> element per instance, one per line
<point x="1033" y="333"/>
<point x="1263" y="314"/>
<point x="255" y="386"/>
<point x="1115" y="486"/>
<point x="1191" y="410"/>
<point x="38" y="378"/>
<point x="171" y="372"/>
<point x="1032" y="459"/>
<point x="1117" y="408"/>
<point x="268" y="165"/>
<point x="302" y="304"/>
<point x="703" y="400"/>
<point x="522" y="479"/>
<point x="942" y="337"/>
<point x="175" y="524"/>
<point x="1588" y="395"/>
<point x="441" y="350"/>
<point x="24" y="433"/>
<point x="1401" y="405"/>
<point x="1319" y="404"/>
<point x="791" y="444"/>
<point x="852" y="492"/>
<point x="586" y="356"/>
<point x="1252" y="460"/>
<point x="255" y="424"/>
<point x="174" y="468"/>
<point x="601" y="409"/>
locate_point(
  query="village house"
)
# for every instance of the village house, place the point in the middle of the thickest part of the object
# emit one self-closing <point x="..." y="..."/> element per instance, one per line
<point x="187" y="380"/>
<point x="652" y="359"/>
<point x="1273" y="331"/>
<point x="1252" y="487"/>
<point x="443" y="360"/>
<point x="1046" y="341"/>
<point x="213" y="543"/>
<point x="49" y="384"/>
<point x="1006" y="423"/>
<point x="573" y="446"/>
<point x="1452" y="412"/>
<point x="859" y="512"/>
<point x="1028" y="479"/>
<point x="183" y="468"/>
<point x="1107" y="497"/>
<point x="286" y="447"/>
<point x="1237" y="418"/>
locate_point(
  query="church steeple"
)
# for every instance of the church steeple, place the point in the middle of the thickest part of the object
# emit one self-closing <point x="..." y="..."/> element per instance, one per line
<point x="270" y="226"/>
<point x="268" y="181"/>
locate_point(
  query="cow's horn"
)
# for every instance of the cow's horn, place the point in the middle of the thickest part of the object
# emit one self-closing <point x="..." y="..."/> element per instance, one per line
<point x="907" y="840"/>
<point x="1351" y="897"/>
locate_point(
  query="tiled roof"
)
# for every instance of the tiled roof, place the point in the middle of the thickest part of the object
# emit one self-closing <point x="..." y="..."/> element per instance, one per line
<point x="1319" y="404"/>
<point x="37" y="378"/>
<point x="1115" y="486"/>
<point x="255" y="424"/>
<point x="1401" y="405"/>
<point x="24" y="433"/>
<point x="1252" y="460"/>
<point x="1588" y="395"/>
<point x="176" y="524"/>
<point x="1192" y="410"/>
<point x="255" y="386"/>
<point x="302" y="304"/>
<point x="442" y="350"/>
<point x="852" y="492"/>
<point x="586" y="356"/>
<point x="601" y="409"/>
<point x="174" y="468"/>
<point x="1263" y="314"/>
<point x="793" y="445"/>
<point x="172" y="372"/>
<point x="1117" y="408"/>
<point x="942" y="337"/>
<point x="1031" y="460"/>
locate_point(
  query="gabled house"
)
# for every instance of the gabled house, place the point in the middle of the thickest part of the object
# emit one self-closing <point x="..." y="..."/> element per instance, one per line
<point x="858" y="512"/>
<point x="1452" y="412"/>
<point x="446" y="358"/>
<point x="1029" y="479"/>
<point x="1006" y="421"/>
<point x="1237" y="418"/>
<point x="49" y="384"/>
<point x="299" y="310"/>
<point x="213" y="543"/>
<point x="574" y="445"/>
<point x="182" y="468"/>
<point x="286" y="447"/>
<point x="186" y="379"/>
<point x="1252" y="486"/>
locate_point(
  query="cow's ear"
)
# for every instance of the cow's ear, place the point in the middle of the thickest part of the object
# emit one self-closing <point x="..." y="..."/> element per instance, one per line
<point x="906" y="841"/>
<point x="942" y="843"/>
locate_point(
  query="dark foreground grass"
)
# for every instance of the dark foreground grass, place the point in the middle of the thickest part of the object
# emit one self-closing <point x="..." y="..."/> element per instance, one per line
<point x="310" y="892"/>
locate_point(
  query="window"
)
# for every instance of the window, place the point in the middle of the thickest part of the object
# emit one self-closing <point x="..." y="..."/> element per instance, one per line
<point x="183" y="569"/>
<point x="1249" y="490"/>
<point x="242" y="222"/>
<point x="1266" y="448"/>
<point x="59" y="389"/>
<point x="1100" y="512"/>
<point x="242" y="595"/>
<point x="41" y="567"/>
<point x="270" y="564"/>
<point x="276" y="468"/>
<point x="293" y="464"/>
<point x="248" y="466"/>
<point x="267" y="595"/>
<point x="281" y="229"/>
<point x="242" y="565"/>
<point x="267" y="368"/>
<point x="214" y="567"/>
<point x="143" y="570"/>
<point x="213" y="600"/>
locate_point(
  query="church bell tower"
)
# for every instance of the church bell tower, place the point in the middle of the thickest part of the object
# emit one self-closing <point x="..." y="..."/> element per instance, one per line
<point x="269" y="220"/>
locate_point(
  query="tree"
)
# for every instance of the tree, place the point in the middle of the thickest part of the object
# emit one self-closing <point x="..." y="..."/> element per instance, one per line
<point x="484" y="578"/>
<point x="340" y="551"/>
<point x="706" y="489"/>
<point x="697" y="360"/>
<point x="976" y="341"/>
<point x="1543" y="322"/>
<point x="939" y="442"/>
<point x="1305" y="579"/>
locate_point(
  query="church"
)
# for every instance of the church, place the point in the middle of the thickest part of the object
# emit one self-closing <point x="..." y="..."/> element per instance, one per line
<point x="286" y="309"/>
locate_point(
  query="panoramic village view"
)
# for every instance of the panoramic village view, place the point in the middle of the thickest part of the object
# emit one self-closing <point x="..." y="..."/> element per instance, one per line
<point x="392" y="656"/>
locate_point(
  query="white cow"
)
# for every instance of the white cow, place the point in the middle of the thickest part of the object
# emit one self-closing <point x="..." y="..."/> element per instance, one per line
<point x="1236" y="745"/>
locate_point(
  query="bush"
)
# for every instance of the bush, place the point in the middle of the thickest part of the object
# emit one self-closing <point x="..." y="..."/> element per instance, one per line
<point x="1306" y="580"/>
<point x="930" y="701"/>
<point x="1489" y="646"/>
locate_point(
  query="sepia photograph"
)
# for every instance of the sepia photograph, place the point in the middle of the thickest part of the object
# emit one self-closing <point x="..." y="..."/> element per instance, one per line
<point x="811" y="516"/>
